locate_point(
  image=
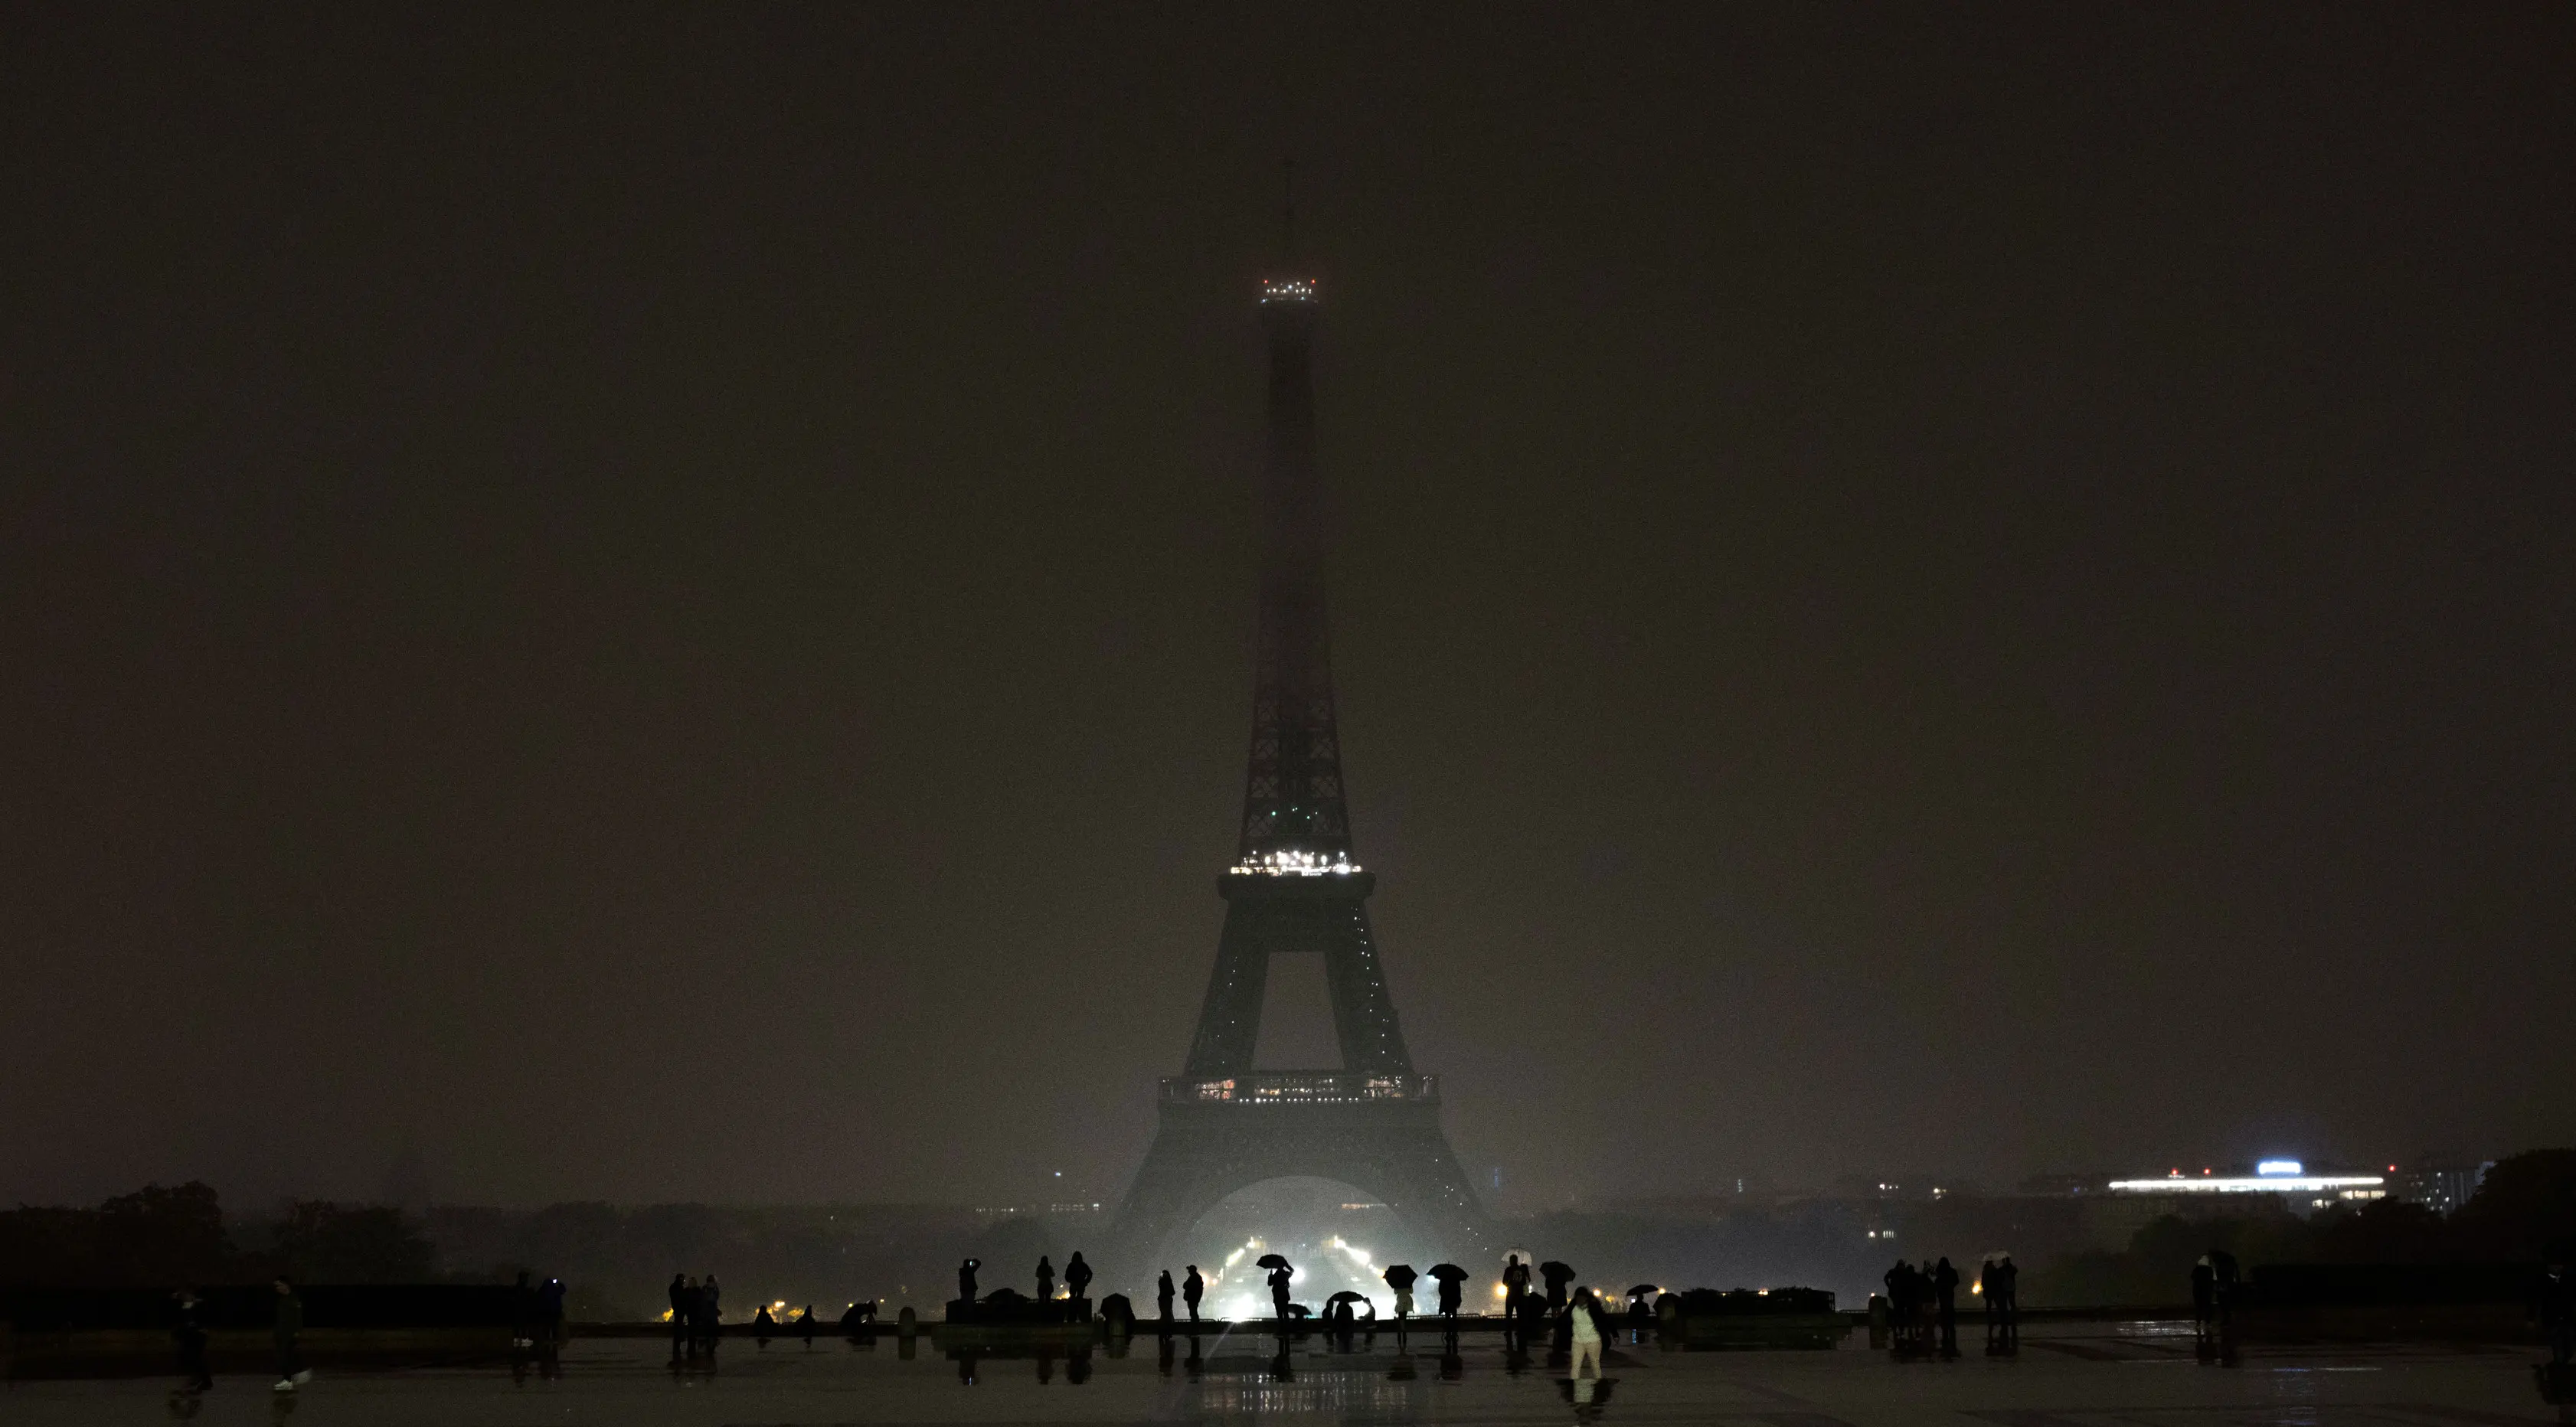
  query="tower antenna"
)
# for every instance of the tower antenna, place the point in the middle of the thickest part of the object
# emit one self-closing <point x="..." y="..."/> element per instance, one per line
<point x="1288" y="211"/>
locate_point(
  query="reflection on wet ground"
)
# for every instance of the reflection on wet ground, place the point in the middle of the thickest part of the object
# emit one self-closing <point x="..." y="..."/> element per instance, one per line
<point x="2111" y="1374"/>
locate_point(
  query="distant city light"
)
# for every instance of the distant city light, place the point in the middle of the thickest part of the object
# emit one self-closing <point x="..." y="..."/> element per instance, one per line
<point x="1296" y="864"/>
<point x="2348" y="1186"/>
<point x="2280" y="1166"/>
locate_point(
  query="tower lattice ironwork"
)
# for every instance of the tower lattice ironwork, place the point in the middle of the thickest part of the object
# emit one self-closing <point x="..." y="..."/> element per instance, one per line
<point x="1294" y="888"/>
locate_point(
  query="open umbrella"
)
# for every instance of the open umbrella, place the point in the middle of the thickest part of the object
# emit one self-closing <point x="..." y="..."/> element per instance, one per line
<point x="1270" y="1261"/>
<point x="1400" y="1277"/>
<point x="1554" y="1269"/>
<point x="1451" y="1272"/>
<point x="1346" y="1296"/>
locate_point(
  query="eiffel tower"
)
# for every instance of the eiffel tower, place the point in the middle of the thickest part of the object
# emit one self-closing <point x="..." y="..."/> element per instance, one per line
<point x="1293" y="890"/>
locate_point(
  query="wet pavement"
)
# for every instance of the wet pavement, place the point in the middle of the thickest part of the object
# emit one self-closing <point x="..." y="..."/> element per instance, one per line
<point x="2144" y="1374"/>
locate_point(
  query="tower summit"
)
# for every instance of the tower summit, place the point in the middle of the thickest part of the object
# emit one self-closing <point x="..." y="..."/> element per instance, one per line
<point x="1294" y="888"/>
<point x="1294" y="820"/>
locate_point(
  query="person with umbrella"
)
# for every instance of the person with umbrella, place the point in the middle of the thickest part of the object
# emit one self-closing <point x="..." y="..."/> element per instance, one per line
<point x="1641" y="1317"/>
<point x="1280" y="1275"/>
<point x="1556" y="1275"/>
<point x="1451" y="1294"/>
<point x="1400" y="1277"/>
<point x="1337" y="1310"/>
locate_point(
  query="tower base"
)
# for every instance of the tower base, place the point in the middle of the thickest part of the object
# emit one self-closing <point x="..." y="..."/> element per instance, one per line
<point x="1379" y="1134"/>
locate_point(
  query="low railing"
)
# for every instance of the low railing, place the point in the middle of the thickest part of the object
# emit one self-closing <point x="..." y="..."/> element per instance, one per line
<point x="1306" y="1087"/>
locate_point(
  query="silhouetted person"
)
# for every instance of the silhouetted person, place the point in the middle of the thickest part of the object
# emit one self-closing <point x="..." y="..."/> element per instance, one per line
<point x="1986" y="1297"/>
<point x="2204" y="1294"/>
<point x="966" y="1280"/>
<point x="710" y="1311"/>
<point x="1900" y="1298"/>
<point x="1077" y="1276"/>
<point x="2007" y="1284"/>
<point x="1046" y="1279"/>
<point x="550" y="1314"/>
<point x="1450" y="1296"/>
<point x="1279" y="1278"/>
<point x="1163" y="1296"/>
<point x="188" y="1335"/>
<point x="1945" y="1291"/>
<point x="1516" y="1276"/>
<point x="683" y="1308"/>
<point x="762" y="1323"/>
<point x="2223" y="1264"/>
<point x="1557" y="1276"/>
<point x="523" y="1311"/>
<point x="805" y="1323"/>
<point x="291" y="1373"/>
<point x="2558" y="1311"/>
<point x="1192" y="1288"/>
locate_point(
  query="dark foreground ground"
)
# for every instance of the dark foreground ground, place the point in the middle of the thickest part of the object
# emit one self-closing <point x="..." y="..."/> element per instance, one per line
<point x="2122" y="1374"/>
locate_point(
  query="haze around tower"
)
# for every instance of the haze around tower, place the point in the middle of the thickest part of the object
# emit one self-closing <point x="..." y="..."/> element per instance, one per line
<point x="651" y="606"/>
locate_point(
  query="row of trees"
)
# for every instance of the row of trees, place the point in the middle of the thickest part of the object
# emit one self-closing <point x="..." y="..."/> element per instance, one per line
<point x="156" y="1237"/>
<point x="2525" y="1212"/>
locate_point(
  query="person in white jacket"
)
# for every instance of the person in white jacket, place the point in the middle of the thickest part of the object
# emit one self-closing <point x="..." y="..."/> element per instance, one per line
<point x="1585" y="1310"/>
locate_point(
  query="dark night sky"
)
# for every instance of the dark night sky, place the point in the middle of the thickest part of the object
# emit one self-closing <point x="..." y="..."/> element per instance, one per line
<point x="658" y="603"/>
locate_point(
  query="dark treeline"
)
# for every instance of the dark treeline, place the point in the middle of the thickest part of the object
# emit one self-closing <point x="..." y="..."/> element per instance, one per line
<point x="157" y="1238"/>
<point x="2524" y="1213"/>
<point x="618" y="1260"/>
<point x="615" y="1260"/>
